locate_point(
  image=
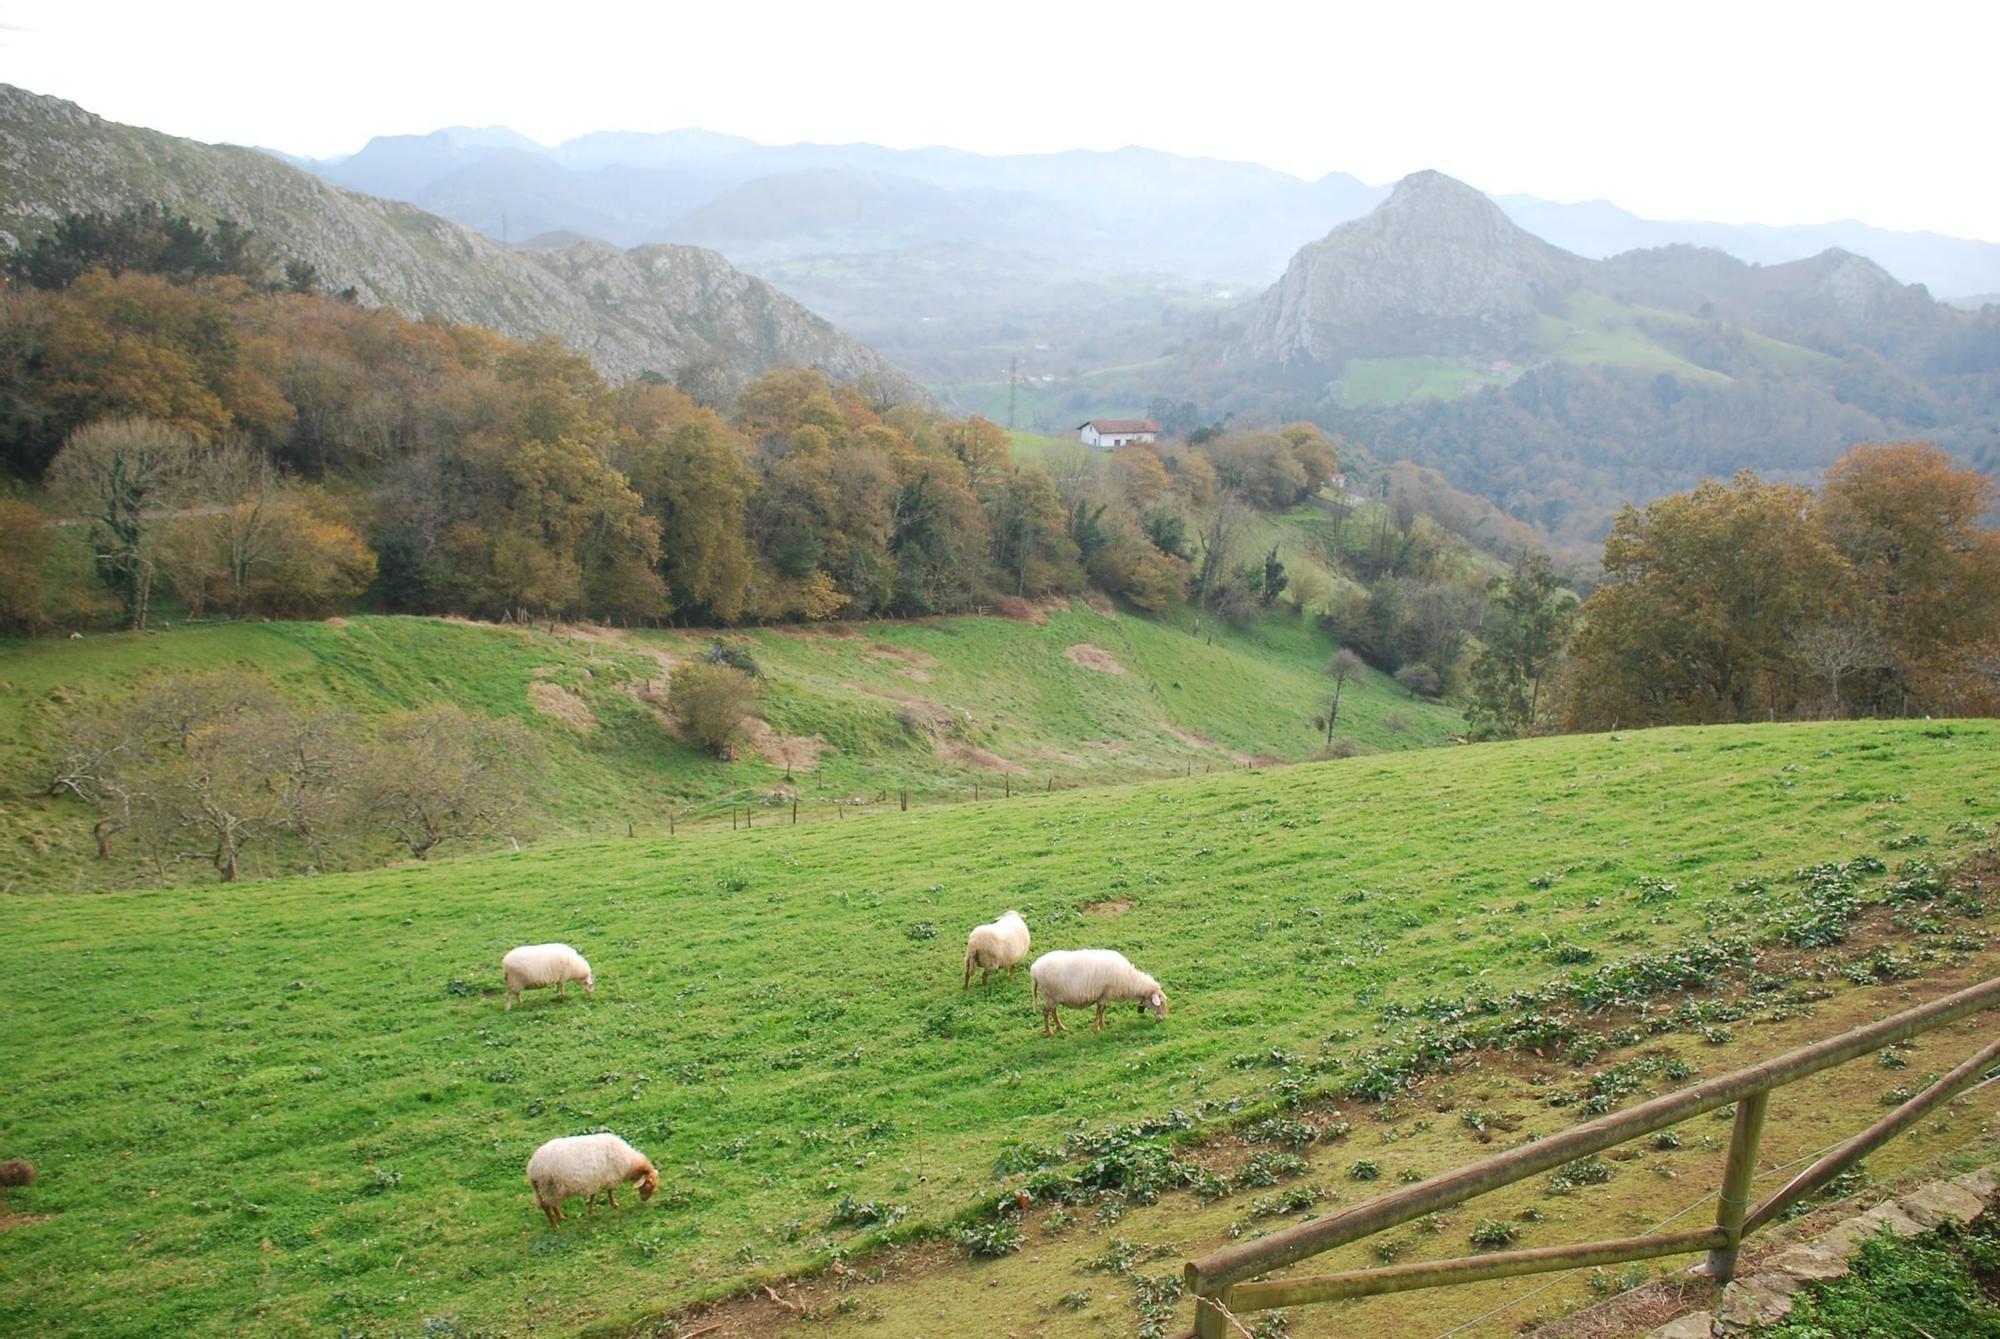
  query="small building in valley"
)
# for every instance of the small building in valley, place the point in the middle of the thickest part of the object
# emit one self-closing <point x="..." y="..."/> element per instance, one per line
<point x="1108" y="434"/>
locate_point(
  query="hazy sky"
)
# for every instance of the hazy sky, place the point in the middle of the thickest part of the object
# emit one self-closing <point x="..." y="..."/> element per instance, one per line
<point x="1738" y="112"/>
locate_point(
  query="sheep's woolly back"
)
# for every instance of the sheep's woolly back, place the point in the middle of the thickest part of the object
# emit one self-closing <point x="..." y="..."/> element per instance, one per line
<point x="583" y="1164"/>
<point x="1079" y="977"/>
<point x="997" y="944"/>
<point x="535" y="965"/>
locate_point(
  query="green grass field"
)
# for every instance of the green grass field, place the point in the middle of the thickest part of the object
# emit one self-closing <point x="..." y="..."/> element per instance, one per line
<point x="298" y="1107"/>
<point x="994" y="699"/>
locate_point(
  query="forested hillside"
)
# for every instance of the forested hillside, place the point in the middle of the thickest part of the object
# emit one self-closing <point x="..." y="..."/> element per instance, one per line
<point x="1435" y="329"/>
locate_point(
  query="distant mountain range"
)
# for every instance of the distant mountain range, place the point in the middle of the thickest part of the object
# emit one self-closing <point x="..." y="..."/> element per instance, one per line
<point x="1134" y="209"/>
<point x="1436" y="328"/>
<point x="677" y="311"/>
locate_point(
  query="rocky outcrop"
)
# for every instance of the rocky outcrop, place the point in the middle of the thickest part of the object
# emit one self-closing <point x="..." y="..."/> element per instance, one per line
<point x="1437" y="268"/>
<point x="665" y="309"/>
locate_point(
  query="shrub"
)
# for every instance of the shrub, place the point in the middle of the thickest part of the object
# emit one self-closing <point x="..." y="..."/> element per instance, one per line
<point x="1420" y="680"/>
<point x="710" y="701"/>
<point x="1492" y="1234"/>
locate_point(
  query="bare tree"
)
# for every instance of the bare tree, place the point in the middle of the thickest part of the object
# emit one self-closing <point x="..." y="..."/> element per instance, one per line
<point x="1834" y="648"/>
<point x="120" y="474"/>
<point x="1218" y="545"/>
<point x="439" y="774"/>
<point x="1343" y="666"/>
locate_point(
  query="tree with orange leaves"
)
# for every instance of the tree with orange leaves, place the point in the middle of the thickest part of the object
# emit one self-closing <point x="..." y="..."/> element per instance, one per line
<point x="1926" y="573"/>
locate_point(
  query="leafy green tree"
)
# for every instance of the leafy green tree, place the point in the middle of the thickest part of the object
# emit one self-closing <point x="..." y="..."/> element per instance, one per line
<point x="1273" y="579"/>
<point x="1526" y="630"/>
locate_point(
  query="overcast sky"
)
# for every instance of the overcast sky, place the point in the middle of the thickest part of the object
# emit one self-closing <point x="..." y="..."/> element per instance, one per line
<point x="1737" y="112"/>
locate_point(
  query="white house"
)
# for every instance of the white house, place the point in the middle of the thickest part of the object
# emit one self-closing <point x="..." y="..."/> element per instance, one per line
<point x="1108" y="434"/>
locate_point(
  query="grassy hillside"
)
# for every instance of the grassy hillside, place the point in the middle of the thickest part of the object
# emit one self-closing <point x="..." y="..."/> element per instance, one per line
<point x="1593" y="331"/>
<point x="298" y="1106"/>
<point x="936" y="707"/>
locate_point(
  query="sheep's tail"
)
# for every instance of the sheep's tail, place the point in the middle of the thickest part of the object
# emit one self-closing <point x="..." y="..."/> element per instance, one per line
<point x="1034" y="988"/>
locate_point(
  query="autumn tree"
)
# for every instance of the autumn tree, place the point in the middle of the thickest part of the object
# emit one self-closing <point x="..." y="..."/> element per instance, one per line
<point x="1702" y="593"/>
<point x="26" y="539"/>
<point x="1926" y="573"/>
<point x="981" y="446"/>
<point x="1031" y="543"/>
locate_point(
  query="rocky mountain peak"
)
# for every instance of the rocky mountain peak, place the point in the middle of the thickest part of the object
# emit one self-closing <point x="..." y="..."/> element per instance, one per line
<point x="1437" y="268"/>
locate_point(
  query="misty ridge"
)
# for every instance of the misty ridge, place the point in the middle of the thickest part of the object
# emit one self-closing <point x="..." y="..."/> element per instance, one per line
<point x="1127" y="210"/>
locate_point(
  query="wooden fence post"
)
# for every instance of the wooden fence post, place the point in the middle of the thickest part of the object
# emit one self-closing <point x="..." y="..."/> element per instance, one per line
<point x="1734" y="1201"/>
<point x="670" y="823"/>
<point x="795" y="811"/>
<point x="732" y="818"/>
<point x="906" y="799"/>
<point x="1009" y="784"/>
<point x="628" y="828"/>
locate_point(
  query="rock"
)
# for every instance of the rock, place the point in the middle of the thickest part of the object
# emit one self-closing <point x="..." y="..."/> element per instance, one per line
<point x="1889" y="1215"/>
<point x="1694" y="1325"/>
<point x="1941" y="1202"/>
<point x="1811" y="1263"/>
<point x="1984" y="1183"/>
<point x="1762" y="1299"/>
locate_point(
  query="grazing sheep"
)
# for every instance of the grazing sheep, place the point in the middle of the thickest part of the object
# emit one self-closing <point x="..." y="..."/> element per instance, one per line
<point x="997" y="944"/>
<point x="1081" y="977"/>
<point x="536" y="965"/>
<point x="584" y="1164"/>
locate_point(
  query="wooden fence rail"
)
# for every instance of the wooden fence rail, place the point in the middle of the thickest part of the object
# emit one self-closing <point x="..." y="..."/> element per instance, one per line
<point x="1226" y="1276"/>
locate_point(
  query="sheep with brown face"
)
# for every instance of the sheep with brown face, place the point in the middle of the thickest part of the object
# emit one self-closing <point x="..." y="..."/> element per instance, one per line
<point x="587" y="1165"/>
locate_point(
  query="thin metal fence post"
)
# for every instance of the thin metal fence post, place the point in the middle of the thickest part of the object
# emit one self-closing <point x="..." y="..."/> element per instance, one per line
<point x="1734" y="1202"/>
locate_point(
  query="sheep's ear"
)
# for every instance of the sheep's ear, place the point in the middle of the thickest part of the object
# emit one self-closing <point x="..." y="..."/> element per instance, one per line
<point x="1157" y="999"/>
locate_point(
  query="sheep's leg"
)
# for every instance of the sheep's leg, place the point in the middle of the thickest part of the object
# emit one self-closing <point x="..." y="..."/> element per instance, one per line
<point x="985" y="975"/>
<point x="553" y="1215"/>
<point x="968" y="975"/>
<point x="1047" y="1016"/>
<point x="559" y="986"/>
<point x="512" y="995"/>
<point x="1010" y="971"/>
<point x="611" y="1193"/>
<point x="1099" y="1025"/>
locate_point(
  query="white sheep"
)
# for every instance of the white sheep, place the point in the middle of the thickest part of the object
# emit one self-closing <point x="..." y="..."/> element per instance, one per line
<point x="584" y="1164"/>
<point x="1080" y="977"/>
<point x="533" y="966"/>
<point x="997" y="944"/>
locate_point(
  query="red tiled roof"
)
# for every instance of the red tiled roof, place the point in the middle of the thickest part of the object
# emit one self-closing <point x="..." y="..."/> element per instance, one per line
<point x="1108" y="425"/>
